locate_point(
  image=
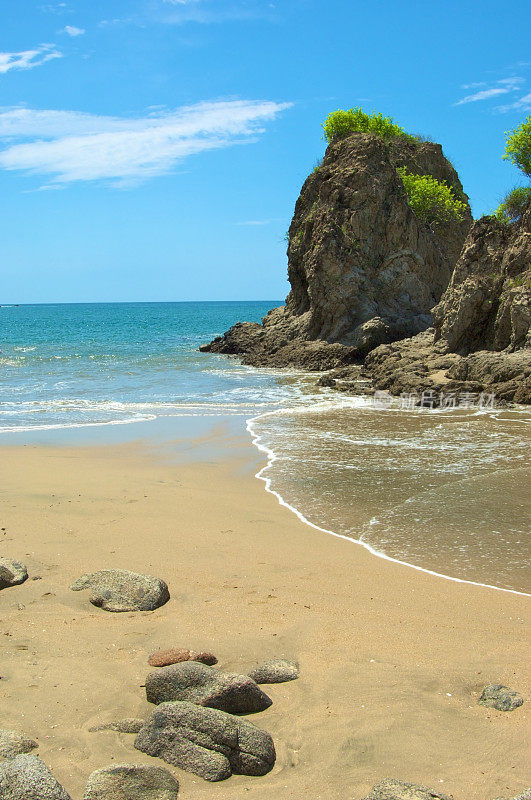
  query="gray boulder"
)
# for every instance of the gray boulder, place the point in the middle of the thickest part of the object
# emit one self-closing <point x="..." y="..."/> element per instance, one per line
<point x="13" y="744"/>
<point x="121" y="590"/>
<point x="526" y="795"/>
<point x="129" y="725"/>
<point x="206" y="686"/>
<point x="131" y="782"/>
<point x="278" y="670"/>
<point x="391" y="789"/>
<point x="28" y="778"/>
<point x="207" y="742"/>
<point x="500" y="697"/>
<point x="12" y="573"/>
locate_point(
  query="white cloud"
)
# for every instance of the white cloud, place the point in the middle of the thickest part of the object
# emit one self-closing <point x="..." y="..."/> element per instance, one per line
<point x="503" y="86"/>
<point x="71" y="30"/>
<point x="27" y="59"/>
<point x="523" y="104"/>
<point x="72" y="146"/>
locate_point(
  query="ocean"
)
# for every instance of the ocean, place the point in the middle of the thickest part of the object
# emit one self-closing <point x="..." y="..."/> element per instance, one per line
<point x="443" y="490"/>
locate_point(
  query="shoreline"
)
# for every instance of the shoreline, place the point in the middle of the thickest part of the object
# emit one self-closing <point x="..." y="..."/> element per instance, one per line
<point x="389" y="658"/>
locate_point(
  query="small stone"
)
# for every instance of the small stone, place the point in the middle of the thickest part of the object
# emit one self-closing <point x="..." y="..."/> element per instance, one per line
<point x="13" y="744"/>
<point x="12" y="573"/>
<point x="129" y="725"/>
<point x="391" y="789"/>
<point x="500" y="697"/>
<point x="278" y="670"/>
<point x="174" y="655"/>
<point x="28" y="778"/>
<point x="131" y="782"/>
<point x="206" y="686"/>
<point x="121" y="590"/>
<point x="206" y="741"/>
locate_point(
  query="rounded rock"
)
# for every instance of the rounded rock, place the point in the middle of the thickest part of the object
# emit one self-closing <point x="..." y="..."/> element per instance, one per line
<point x="131" y="782"/>
<point x="277" y="670"/>
<point x="175" y="655"/>
<point x="13" y="744"/>
<point x="12" y="573"/>
<point x="121" y="590"/>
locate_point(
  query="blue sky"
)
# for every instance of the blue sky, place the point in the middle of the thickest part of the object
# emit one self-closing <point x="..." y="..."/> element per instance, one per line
<point x="154" y="149"/>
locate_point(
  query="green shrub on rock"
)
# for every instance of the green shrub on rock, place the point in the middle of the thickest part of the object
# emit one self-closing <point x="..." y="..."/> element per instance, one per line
<point x="514" y="204"/>
<point x="341" y="123"/>
<point x="518" y="147"/>
<point x="432" y="201"/>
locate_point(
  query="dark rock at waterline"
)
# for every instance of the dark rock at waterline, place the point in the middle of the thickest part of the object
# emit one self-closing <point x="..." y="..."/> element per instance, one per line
<point x="276" y="670"/>
<point x="208" y="742"/>
<point x="392" y="789"/>
<point x="174" y="655"/>
<point x="500" y="697"/>
<point x="122" y="590"/>
<point x="12" y="573"/>
<point x="13" y="743"/>
<point x="129" y="725"/>
<point x="206" y="686"/>
<point x="131" y="782"/>
<point x="28" y="778"/>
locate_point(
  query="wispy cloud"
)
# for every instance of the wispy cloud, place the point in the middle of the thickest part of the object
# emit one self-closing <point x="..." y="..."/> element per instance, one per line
<point x="28" y="59"/>
<point x="71" y="30"/>
<point x="205" y="12"/>
<point x="70" y="146"/>
<point x="502" y="86"/>
<point x="522" y="104"/>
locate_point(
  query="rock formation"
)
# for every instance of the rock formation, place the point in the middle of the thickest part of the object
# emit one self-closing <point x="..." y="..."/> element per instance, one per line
<point x="481" y="339"/>
<point x="121" y="590"/>
<point x="363" y="268"/>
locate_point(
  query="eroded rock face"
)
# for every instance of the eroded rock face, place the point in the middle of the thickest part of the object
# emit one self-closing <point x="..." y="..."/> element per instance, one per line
<point x="392" y="789"/>
<point x="363" y="268"/>
<point x="198" y="683"/>
<point x="28" y="778"/>
<point x="12" y="573"/>
<point x="121" y="590"/>
<point x="205" y="741"/>
<point x="481" y="339"/>
<point x="131" y="782"/>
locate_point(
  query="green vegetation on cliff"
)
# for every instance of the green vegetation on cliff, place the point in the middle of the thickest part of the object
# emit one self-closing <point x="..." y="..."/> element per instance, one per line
<point x="514" y="204"/>
<point x="341" y="123"/>
<point x="518" y="147"/>
<point x="432" y="201"/>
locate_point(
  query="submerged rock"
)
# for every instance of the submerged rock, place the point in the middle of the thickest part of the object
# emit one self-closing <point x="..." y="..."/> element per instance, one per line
<point x="500" y="697"/>
<point x="174" y="655"/>
<point x="13" y="744"/>
<point x="205" y="741"/>
<point x="206" y="686"/>
<point x="28" y="778"/>
<point x="131" y="782"/>
<point x="391" y="789"/>
<point x="12" y="573"/>
<point x="130" y="725"/>
<point x="121" y="590"/>
<point x="363" y="268"/>
<point x="278" y="670"/>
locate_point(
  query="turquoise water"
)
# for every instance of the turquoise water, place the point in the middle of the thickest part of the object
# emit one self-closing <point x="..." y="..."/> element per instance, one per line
<point x="85" y="364"/>
<point x="445" y="491"/>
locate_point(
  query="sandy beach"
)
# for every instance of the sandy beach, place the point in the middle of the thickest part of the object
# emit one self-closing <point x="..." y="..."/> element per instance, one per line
<point x="392" y="660"/>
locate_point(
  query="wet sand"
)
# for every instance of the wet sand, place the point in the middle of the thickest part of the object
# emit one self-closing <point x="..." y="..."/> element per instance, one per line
<point x="392" y="660"/>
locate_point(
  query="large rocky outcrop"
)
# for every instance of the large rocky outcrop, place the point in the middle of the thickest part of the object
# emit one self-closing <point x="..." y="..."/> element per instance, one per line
<point x="481" y="337"/>
<point x="363" y="268"/>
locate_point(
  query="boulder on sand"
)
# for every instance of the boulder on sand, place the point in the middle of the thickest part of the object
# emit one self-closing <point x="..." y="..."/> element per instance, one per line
<point x="206" y="686"/>
<point x="391" y="789"/>
<point x="28" y="778"/>
<point x="13" y="744"/>
<point x="278" y="670"/>
<point x="174" y="655"/>
<point x="500" y="697"/>
<point x="12" y="573"/>
<point x="121" y="590"/>
<point x="206" y="741"/>
<point x="131" y="782"/>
